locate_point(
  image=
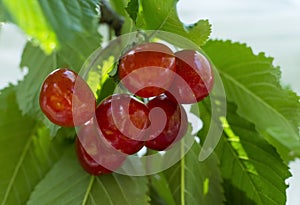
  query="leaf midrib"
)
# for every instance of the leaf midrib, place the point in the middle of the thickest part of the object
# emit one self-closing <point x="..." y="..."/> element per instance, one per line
<point x="241" y="165"/>
<point x="165" y="20"/>
<point x="245" y="171"/>
<point x="18" y="167"/>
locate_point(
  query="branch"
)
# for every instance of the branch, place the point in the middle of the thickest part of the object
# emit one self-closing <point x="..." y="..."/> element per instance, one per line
<point x="110" y="17"/>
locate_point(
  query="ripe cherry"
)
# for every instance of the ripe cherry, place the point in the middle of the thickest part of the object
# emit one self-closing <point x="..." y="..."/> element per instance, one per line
<point x="148" y="69"/>
<point x="123" y="121"/>
<point x="195" y="77"/>
<point x="175" y="126"/>
<point x="66" y="99"/>
<point x="94" y="154"/>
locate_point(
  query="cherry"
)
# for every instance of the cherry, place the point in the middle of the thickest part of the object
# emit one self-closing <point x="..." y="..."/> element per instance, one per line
<point x="94" y="154"/>
<point x="148" y="69"/>
<point x="66" y="99"/>
<point x="195" y="77"/>
<point x="175" y="126"/>
<point x="123" y="121"/>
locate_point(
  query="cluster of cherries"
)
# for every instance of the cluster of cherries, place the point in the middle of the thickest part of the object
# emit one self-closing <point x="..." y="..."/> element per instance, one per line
<point x="122" y="124"/>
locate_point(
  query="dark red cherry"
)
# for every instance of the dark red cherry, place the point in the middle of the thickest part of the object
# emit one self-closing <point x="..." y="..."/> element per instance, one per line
<point x="95" y="155"/>
<point x="66" y="99"/>
<point x="123" y="120"/>
<point x="175" y="125"/>
<point x="195" y="77"/>
<point x="148" y="69"/>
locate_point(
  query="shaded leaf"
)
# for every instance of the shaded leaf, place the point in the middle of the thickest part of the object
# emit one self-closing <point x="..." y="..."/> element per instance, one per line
<point x="130" y="190"/>
<point x="26" y="151"/>
<point x="67" y="183"/>
<point x="160" y="191"/>
<point x="194" y="182"/>
<point x="132" y="9"/>
<point x="253" y="83"/>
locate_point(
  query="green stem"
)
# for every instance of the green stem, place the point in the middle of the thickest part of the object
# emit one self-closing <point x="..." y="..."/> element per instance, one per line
<point x="88" y="190"/>
<point x="182" y="179"/>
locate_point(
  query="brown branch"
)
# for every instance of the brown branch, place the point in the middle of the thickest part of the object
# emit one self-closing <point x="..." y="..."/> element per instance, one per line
<point x="110" y="17"/>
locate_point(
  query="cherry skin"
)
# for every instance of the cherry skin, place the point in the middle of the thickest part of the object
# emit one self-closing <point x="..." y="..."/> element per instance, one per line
<point x="123" y="121"/>
<point x="94" y="154"/>
<point x="148" y="69"/>
<point x="195" y="77"/>
<point x="66" y="99"/>
<point x="175" y="126"/>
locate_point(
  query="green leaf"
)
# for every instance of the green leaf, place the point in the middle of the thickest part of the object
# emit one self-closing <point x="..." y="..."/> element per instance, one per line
<point x="28" y="15"/>
<point x="162" y="15"/>
<point x="194" y="182"/>
<point x="2" y="15"/>
<point x="160" y="191"/>
<point x="67" y="176"/>
<point x="132" y="9"/>
<point x="119" y="6"/>
<point x="27" y="151"/>
<point x="39" y="65"/>
<point x="52" y="23"/>
<point x="106" y="90"/>
<point x="131" y="190"/>
<point x="253" y="83"/>
<point x="252" y="170"/>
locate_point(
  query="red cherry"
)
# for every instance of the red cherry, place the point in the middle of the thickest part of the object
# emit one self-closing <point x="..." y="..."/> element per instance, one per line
<point x="148" y="69"/>
<point x="94" y="154"/>
<point x="175" y="126"/>
<point x="194" y="80"/>
<point x="123" y="121"/>
<point x="66" y="99"/>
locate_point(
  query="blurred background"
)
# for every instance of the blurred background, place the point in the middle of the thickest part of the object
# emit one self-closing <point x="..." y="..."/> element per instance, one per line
<point x="270" y="26"/>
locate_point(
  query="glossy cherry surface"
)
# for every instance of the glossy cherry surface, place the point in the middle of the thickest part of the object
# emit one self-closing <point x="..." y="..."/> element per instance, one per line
<point x="195" y="77"/>
<point x="123" y="120"/>
<point x="66" y="99"/>
<point x="148" y="69"/>
<point x="175" y="126"/>
<point x="95" y="155"/>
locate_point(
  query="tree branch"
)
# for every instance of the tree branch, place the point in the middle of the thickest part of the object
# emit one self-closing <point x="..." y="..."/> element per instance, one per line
<point x="110" y="17"/>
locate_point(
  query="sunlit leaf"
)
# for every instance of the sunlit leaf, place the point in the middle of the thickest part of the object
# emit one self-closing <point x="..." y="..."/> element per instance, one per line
<point x="252" y="170"/>
<point x="253" y="83"/>
<point x="162" y="15"/>
<point x="52" y="23"/>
